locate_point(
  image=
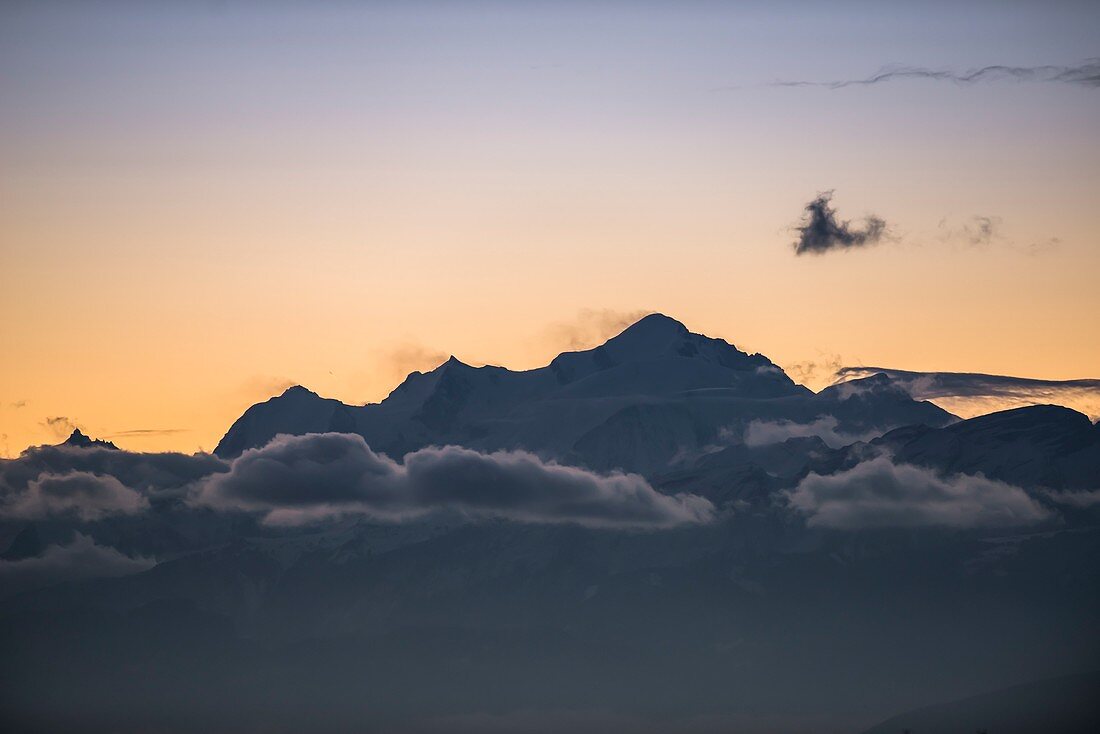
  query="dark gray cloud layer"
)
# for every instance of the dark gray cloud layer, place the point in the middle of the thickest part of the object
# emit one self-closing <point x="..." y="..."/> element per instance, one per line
<point x="821" y="231"/>
<point x="76" y="494"/>
<point x="86" y="484"/>
<point x="302" y="479"/>
<point x="81" y="559"/>
<point x="1086" y="74"/>
<point x="879" y="493"/>
<point x="299" y="479"/>
<point x="70" y="486"/>
<point x="150" y="473"/>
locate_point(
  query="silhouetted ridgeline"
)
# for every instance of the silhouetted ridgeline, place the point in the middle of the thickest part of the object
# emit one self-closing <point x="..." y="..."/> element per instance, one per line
<point x="660" y="534"/>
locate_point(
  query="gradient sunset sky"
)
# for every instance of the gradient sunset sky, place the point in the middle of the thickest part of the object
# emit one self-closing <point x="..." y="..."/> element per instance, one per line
<point x="203" y="203"/>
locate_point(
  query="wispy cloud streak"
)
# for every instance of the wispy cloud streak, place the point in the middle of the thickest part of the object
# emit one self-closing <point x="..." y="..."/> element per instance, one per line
<point x="1086" y="74"/>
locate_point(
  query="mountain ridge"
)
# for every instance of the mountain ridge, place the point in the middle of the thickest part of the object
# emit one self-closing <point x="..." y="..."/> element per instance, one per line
<point x="354" y="610"/>
<point x="585" y="406"/>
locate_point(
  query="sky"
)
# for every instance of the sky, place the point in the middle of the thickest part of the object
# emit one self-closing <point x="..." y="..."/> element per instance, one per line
<point x="204" y="203"/>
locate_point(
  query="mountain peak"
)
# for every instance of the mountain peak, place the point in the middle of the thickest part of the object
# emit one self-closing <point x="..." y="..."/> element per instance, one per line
<point x="1033" y="417"/>
<point x="79" y="440"/>
<point x="294" y="390"/>
<point x="656" y="325"/>
<point x="672" y="358"/>
<point x="651" y="335"/>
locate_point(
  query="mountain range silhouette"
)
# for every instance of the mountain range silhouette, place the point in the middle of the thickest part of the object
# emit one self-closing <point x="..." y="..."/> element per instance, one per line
<point x="663" y="533"/>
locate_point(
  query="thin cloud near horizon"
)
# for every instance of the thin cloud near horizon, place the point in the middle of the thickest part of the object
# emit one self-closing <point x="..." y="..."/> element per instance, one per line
<point x="974" y="393"/>
<point x="1086" y="74"/>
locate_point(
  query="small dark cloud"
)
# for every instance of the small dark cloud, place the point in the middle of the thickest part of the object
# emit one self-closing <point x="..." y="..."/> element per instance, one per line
<point x="302" y="479"/>
<point x="80" y="559"/>
<point x="821" y="231"/>
<point x="985" y="393"/>
<point x="18" y="404"/>
<point x="878" y="493"/>
<point x="1086" y="74"/>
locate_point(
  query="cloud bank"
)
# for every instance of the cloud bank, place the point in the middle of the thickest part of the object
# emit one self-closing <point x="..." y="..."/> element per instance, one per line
<point x="821" y="231"/>
<point x="879" y="493"/>
<point x="971" y="393"/>
<point x="76" y="494"/>
<point x="766" y="433"/>
<point x="1086" y="74"/>
<point x="81" y="559"/>
<point x="303" y="479"/>
<point x="146" y="473"/>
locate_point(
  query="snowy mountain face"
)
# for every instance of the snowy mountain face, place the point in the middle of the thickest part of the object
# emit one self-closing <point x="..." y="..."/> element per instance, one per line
<point x="651" y="394"/>
<point x="797" y="562"/>
<point x="296" y="411"/>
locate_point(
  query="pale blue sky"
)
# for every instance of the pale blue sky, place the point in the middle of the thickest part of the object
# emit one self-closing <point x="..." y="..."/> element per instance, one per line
<point x="303" y="188"/>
